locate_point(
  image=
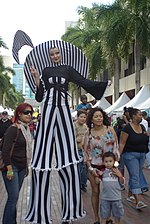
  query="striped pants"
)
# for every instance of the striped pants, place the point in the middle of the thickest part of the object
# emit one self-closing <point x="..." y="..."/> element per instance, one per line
<point x="40" y="198"/>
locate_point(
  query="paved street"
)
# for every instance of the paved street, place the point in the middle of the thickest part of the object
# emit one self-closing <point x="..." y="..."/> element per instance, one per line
<point x="132" y="216"/>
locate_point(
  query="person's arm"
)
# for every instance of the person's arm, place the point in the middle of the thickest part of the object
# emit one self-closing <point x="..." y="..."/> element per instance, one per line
<point x="86" y="151"/>
<point x="35" y="75"/>
<point x="9" y="138"/>
<point x="78" y="137"/>
<point x="117" y="173"/>
<point x="116" y="146"/>
<point x="92" y="170"/>
<point x="40" y="89"/>
<point x="95" y="88"/>
<point x="122" y="142"/>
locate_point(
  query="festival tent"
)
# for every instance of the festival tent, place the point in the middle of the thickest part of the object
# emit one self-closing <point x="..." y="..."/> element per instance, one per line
<point x="123" y="99"/>
<point x="103" y="103"/>
<point x="1" y="109"/>
<point x="74" y="114"/>
<point x="89" y="97"/>
<point x="140" y="97"/>
<point x="144" y="105"/>
<point x="11" y="112"/>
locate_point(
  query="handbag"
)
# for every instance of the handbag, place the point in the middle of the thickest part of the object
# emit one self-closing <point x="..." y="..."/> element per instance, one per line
<point x="2" y="165"/>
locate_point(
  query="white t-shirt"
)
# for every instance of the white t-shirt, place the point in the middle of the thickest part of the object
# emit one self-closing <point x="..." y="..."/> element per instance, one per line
<point x="145" y="124"/>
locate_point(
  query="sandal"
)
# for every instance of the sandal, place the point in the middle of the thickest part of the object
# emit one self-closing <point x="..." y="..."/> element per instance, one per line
<point x="131" y="199"/>
<point x="141" y="205"/>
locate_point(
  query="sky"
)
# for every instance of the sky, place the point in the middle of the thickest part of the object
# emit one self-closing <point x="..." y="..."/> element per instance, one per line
<point x="42" y="20"/>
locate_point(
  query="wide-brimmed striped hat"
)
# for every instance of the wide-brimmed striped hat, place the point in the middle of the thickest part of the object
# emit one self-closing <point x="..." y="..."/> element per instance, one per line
<point x="39" y="58"/>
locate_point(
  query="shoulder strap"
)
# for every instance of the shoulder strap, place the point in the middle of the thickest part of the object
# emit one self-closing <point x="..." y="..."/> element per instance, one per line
<point x="14" y="142"/>
<point x="143" y="127"/>
<point x="17" y="132"/>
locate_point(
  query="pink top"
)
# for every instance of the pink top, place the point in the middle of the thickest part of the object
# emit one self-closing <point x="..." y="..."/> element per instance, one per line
<point x="98" y="145"/>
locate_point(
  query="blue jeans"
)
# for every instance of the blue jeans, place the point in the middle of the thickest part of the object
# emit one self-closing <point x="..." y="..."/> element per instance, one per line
<point x="82" y="168"/>
<point x="148" y="154"/>
<point x="143" y="182"/>
<point x="134" y="162"/>
<point x="13" y="188"/>
<point x="122" y="164"/>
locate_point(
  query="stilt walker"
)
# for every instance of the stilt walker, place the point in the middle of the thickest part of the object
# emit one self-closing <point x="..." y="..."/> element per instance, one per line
<point x="49" y="68"/>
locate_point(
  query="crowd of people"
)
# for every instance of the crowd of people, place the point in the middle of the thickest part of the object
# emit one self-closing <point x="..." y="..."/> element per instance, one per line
<point x="84" y="150"/>
<point x="99" y="145"/>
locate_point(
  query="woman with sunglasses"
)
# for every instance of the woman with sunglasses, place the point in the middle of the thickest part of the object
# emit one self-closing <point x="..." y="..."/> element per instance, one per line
<point x="16" y="159"/>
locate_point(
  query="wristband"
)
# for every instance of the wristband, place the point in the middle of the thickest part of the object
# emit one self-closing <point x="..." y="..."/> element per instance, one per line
<point x="10" y="173"/>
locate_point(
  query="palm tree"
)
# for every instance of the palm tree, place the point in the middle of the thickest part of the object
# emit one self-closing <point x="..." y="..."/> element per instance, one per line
<point x="4" y="80"/>
<point x="86" y="35"/>
<point x="128" y="23"/>
<point x="2" y="43"/>
<point x="107" y="32"/>
<point x="8" y="94"/>
<point x="13" y="97"/>
<point x="111" y="39"/>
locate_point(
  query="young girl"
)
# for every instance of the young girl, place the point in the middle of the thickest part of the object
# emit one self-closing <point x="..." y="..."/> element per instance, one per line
<point x="112" y="180"/>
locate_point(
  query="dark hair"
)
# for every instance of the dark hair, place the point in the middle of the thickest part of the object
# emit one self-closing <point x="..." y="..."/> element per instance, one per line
<point x="127" y="109"/>
<point x="108" y="154"/>
<point x="133" y="111"/>
<point x="20" y="109"/>
<point x="120" y="122"/>
<point x="144" y="113"/>
<point x="81" y="111"/>
<point x="106" y="120"/>
<point x="4" y="112"/>
<point x="83" y="97"/>
<point x="148" y="120"/>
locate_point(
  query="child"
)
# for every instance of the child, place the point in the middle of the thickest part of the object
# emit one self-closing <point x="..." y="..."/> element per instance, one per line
<point x="112" y="180"/>
<point x="80" y="130"/>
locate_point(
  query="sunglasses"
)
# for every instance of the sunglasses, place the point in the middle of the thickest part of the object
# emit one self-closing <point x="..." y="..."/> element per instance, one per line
<point x="26" y="112"/>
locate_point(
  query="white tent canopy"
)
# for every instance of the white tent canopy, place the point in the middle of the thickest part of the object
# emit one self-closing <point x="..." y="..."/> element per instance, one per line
<point x="123" y="99"/>
<point x="103" y="103"/>
<point x="1" y="109"/>
<point x="89" y="97"/>
<point x="140" y="97"/>
<point x="9" y="111"/>
<point x="74" y="114"/>
<point x="144" y="105"/>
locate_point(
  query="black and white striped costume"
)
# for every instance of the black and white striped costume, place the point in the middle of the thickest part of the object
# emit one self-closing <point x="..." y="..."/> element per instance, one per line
<point x="56" y="128"/>
<point x="55" y="133"/>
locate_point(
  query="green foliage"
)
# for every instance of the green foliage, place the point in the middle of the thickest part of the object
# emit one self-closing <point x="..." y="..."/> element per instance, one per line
<point x="104" y="32"/>
<point x="2" y="43"/>
<point x="8" y="95"/>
